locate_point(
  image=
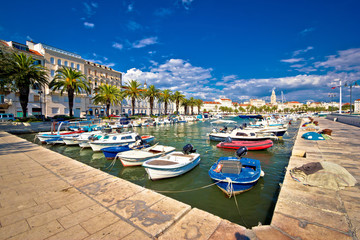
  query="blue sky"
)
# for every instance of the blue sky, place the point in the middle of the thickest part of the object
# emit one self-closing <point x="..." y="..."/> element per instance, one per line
<point x="238" y="49"/>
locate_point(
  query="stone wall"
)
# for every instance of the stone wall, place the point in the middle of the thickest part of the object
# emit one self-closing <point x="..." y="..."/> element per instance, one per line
<point x="347" y="119"/>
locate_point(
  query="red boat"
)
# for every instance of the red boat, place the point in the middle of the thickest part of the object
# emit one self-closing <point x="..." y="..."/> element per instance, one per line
<point x="250" y="145"/>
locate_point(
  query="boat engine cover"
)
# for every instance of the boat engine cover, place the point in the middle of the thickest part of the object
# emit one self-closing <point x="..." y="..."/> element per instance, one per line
<point x="188" y="148"/>
<point x="242" y="151"/>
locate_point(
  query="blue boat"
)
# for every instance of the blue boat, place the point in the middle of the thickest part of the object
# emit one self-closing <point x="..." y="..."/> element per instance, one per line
<point x="234" y="175"/>
<point x="110" y="152"/>
<point x="250" y="116"/>
<point x="313" y="136"/>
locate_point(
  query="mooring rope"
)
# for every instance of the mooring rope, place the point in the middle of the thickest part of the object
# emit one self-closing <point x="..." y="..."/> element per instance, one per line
<point x="188" y="190"/>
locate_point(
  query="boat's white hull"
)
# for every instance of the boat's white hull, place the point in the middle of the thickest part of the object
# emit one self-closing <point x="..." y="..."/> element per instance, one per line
<point x="70" y="142"/>
<point x="128" y="162"/>
<point x="160" y="173"/>
<point x="96" y="147"/>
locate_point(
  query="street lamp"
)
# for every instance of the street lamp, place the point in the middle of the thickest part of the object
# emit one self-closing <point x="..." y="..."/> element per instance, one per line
<point x="351" y="84"/>
<point x="331" y="96"/>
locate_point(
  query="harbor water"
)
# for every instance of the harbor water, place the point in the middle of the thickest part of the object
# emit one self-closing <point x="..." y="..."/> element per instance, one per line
<point x="253" y="207"/>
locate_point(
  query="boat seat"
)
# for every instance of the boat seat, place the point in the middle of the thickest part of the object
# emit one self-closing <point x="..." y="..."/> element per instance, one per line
<point x="232" y="167"/>
<point x="155" y="151"/>
<point x="161" y="162"/>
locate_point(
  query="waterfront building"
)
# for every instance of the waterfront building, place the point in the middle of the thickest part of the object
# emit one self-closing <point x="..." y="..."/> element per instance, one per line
<point x="257" y="102"/>
<point x="9" y="101"/>
<point x="357" y="106"/>
<point x="293" y="104"/>
<point x="97" y="75"/>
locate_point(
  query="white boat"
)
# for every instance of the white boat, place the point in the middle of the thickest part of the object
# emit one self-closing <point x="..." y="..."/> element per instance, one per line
<point x="137" y="157"/>
<point x="75" y="140"/>
<point x="171" y="165"/>
<point x="112" y="140"/>
<point x="238" y="134"/>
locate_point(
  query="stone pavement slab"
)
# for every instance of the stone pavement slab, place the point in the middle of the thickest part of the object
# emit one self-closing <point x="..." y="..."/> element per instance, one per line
<point x="44" y="195"/>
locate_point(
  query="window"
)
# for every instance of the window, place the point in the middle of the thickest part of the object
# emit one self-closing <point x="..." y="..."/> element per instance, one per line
<point x="126" y="137"/>
<point x="55" y="98"/>
<point x="36" y="98"/>
<point x="72" y="65"/>
<point x="114" y="138"/>
<point x="52" y="73"/>
<point x="78" y="66"/>
<point x="78" y="100"/>
<point x="52" y="60"/>
<point x="59" y="62"/>
<point x="66" y="63"/>
<point x="66" y="111"/>
<point x="2" y="98"/>
<point x="37" y="62"/>
<point x="54" y="110"/>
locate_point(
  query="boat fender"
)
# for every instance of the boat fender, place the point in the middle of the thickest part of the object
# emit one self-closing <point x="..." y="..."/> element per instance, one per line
<point x="218" y="168"/>
<point x="262" y="174"/>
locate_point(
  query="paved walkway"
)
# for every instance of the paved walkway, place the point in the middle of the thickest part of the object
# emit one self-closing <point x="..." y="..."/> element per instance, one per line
<point x="45" y="195"/>
<point x="304" y="212"/>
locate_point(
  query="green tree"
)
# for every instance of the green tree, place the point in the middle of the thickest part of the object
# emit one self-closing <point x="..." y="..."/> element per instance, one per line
<point x="151" y="94"/>
<point x="71" y="81"/>
<point x="185" y="104"/>
<point x="177" y="97"/>
<point x="166" y="97"/>
<point x="22" y="72"/>
<point x="191" y="103"/>
<point x="133" y="91"/>
<point x="199" y="103"/>
<point x="109" y="95"/>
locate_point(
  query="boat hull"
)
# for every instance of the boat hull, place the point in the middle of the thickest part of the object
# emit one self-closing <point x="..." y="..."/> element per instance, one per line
<point x="156" y="173"/>
<point x="218" y="138"/>
<point x="250" y="145"/>
<point x="111" y="152"/>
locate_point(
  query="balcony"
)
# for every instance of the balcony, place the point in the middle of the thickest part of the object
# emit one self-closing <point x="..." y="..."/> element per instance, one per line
<point x="6" y="104"/>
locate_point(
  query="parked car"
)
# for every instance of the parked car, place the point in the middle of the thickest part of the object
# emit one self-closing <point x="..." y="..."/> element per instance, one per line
<point x="6" y="117"/>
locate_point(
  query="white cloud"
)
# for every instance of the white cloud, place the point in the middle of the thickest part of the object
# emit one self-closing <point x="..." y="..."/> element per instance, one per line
<point x="89" y="9"/>
<point x="301" y="51"/>
<point x="145" y="42"/>
<point x="117" y="45"/>
<point x="346" y="60"/>
<point x="292" y="60"/>
<point x="132" y="25"/>
<point x="89" y="25"/>
<point x="186" y="3"/>
<point x="229" y="77"/>
<point x="175" y="74"/>
<point x="27" y="37"/>
<point x="307" y="31"/>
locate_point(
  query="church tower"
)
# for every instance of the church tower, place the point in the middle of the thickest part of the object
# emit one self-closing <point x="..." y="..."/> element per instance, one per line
<point x="273" y="97"/>
<point x="145" y="85"/>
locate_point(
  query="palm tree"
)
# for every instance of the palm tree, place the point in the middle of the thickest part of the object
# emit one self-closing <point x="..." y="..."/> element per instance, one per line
<point x="192" y="104"/>
<point x="185" y="104"/>
<point x="72" y="81"/>
<point x="109" y="95"/>
<point x="166" y="98"/>
<point x="177" y="97"/>
<point x="199" y="103"/>
<point x="152" y="93"/>
<point x="22" y="71"/>
<point x="133" y="91"/>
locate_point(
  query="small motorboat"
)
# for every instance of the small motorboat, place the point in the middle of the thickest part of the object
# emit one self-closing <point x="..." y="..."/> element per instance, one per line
<point x="234" y="175"/>
<point x="138" y="156"/>
<point x="250" y="145"/>
<point x="111" y="152"/>
<point x="173" y="164"/>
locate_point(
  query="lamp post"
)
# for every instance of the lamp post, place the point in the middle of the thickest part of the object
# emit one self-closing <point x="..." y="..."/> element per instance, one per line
<point x="350" y="85"/>
<point x="331" y="95"/>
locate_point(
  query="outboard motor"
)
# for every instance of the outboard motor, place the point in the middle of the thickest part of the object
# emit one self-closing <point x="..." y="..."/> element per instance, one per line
<point x="242" y="151"/>
<point x="138" y="138"/>
<point x="228" y="140"/>
<point x="107" y="129"/>
<point x="188" y="148"/>
<point x="244" y="125"/>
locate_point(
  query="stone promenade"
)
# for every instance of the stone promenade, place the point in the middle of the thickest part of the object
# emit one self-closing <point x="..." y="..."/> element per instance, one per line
<point x="304" y="212"/>
<point x="45" y="195"/>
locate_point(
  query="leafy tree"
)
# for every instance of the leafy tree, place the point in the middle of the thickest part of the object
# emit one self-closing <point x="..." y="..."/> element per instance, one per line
<point x="71" y="81"/>
<point x="177" y="97"/>
<point x="185" y="104"/>
<point x="151" y="94"/>
<point x="109" y="95"/>
<point x="199" y="103"/>
<point x="21" y="71"/>
<point x="166" y="97"/>
<point x="191" y="103"/>
<point x="132" y="90"/>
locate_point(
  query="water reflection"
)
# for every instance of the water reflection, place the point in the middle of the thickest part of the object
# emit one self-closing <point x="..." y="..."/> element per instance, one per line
<point x="255" y="205"/>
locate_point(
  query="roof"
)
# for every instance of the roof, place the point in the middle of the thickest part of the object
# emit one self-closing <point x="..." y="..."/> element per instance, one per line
<point x="225" y="99"/>
<point x="244" y="105"/>
<point x="357" y="99"/>
<point x="208" y="102"/>
<point x="292" y="102"/>
<point x="35" y="52"/>
<point x="3" y="42"/>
